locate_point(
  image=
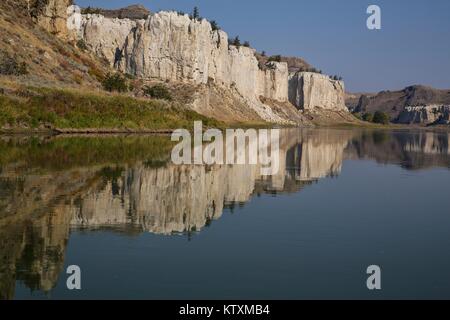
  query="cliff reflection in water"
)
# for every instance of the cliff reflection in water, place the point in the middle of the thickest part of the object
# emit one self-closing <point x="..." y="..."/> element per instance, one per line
<point x="49" y="186"/>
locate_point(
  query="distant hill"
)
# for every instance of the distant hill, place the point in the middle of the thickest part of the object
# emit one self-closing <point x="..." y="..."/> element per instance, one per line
<point x="130" y="12"/>
<point x="394" y="102"/>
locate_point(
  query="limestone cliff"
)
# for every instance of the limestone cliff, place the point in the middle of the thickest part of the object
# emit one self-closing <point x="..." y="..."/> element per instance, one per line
<point x="169" y="46"/>
<point x="308" y="91"/>
<point x="49" y="14"/>
<point x="429" y="114"/>
<point x="413" y="104"/>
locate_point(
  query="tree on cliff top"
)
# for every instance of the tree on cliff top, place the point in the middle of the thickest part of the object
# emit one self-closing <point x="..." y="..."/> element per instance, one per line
<point x="276" y="58"/>
<point x="236" y="41"/>
<point x="196" y="13"/>
<point x="214" y="25"/>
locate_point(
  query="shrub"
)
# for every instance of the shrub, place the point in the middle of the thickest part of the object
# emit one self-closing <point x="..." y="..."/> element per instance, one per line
<point x="247" y="44"/>
<point x="276" y="58"/>
<point x="115" y="83"/>
<point x="9" y="66"/>
<point x="381" y="117"/>
<point x="357" y="115"/>
<point x="236" y="42"/>
<point x="214" y="25"/>
<point x="367" y="117"/>
<point x="81" y="44"/>
<point x="91" y="10"/>
<point x="158" y="91"/>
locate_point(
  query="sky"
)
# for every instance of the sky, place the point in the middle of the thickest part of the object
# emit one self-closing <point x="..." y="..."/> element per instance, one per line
<point x="412" y="47"/>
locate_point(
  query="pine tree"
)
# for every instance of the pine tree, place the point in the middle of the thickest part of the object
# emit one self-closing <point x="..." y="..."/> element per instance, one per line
<point x="237" y="42"/>
<point x="196" y="13"/>
<point x="214" y="25"/>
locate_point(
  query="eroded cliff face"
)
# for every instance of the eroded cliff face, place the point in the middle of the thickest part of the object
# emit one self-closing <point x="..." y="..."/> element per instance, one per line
<point x="429" y="114"/>
<point x="168" y="46"/>
<point x="174" y="47"/>
<point x="309" y="91"/>
<point x="50" y="14"/>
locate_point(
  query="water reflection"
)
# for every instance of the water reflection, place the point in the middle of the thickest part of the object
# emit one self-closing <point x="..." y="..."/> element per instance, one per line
<point x="52" y="185"/>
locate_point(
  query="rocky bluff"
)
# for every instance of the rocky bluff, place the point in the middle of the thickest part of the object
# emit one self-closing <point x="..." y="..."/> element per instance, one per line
<point x="168" y="46"/>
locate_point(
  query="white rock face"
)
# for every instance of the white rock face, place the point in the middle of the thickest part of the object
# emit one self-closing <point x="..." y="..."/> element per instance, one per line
<point x="173" y="47"/>
<point x="169" y="46"/>
<point x="74" y="18"/>
<point x="439" y="114"/>
<point x="309" y="91"/>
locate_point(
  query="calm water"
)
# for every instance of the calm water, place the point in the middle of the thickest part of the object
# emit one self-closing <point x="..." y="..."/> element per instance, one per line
<point x="140" y="227"/>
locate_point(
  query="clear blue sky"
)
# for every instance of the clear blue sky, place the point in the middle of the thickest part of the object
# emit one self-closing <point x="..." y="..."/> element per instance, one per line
<point x="413" y="46"/>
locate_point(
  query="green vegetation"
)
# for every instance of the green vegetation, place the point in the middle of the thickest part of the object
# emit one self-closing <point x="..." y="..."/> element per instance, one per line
<point x="247" y="44"/>
<point x="64" y="108"/>
<point x="378" y="117"/>
<point x="81" y="44"/>
<point x="367" y="117"/>
<point x="10" y="66"/>
<point x="357" y="115"/>
<point x="336" y="78"/>
<point x="381" y="117"/>
<point x="115" y="82"/>
<point x="91" y="10"/>
<point x="195" y="14"/>
<point x="275" y="58"/>
<point x="314" y="70"/>
<point x="158" y="91"/>
<point x="62" y="153"/>
<point x="214" y="25"/>
<point x="235" y="42"/>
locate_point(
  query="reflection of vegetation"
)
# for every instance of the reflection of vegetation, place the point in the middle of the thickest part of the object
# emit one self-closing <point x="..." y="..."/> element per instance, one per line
<point x="112" y="175"/>
<point x="154" y="163"/>
<point x="66" y="153"/>
<point x="380" y="137"/>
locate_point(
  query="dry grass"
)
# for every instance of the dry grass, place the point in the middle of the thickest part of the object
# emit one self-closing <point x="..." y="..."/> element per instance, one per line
<point x="34" y="108"/>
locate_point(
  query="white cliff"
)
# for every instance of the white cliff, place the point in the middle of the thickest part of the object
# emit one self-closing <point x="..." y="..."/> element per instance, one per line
<point x="169" y="46"/>
<point x="429" y="114"/>
<point x="308" y="91"/>
<point x="173" y="47"/>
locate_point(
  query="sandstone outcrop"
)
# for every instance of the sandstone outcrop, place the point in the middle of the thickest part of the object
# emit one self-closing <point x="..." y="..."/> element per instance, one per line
<point x="50" y="14"/>
<point x="169" y="46"/>
<point x="430" y="114"/>
<point x="309" y="91"/>
<point x="395" y="102"/>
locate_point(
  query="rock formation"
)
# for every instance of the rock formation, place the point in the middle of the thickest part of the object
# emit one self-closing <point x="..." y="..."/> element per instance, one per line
<point x="414" y="104"/>
<point x="430" y="114"/>
<point x="308" y="91"/>
<point x="50" y="14"/>
<point x="169" y="46"/>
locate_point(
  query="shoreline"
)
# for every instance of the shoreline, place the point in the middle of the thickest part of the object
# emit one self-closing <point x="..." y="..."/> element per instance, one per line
<point x="168" y="132"/>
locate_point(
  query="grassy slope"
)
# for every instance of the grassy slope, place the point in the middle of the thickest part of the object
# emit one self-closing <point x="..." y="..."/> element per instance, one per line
<point x="37" y="108"/>
<point x="63" y="87"/>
